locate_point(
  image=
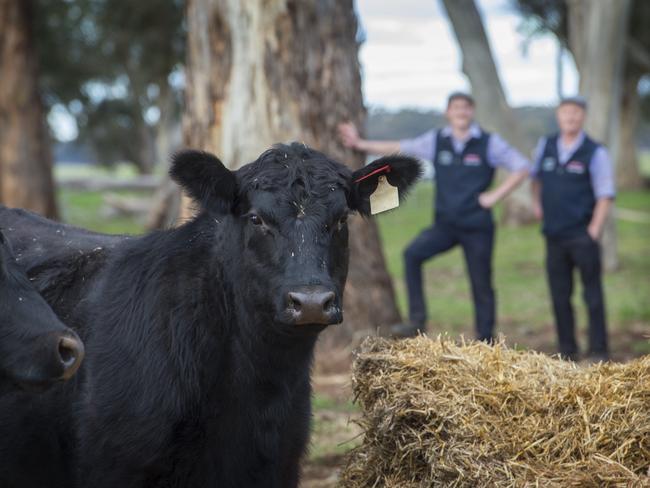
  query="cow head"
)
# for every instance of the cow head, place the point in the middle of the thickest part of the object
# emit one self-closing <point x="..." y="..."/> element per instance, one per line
<point x="36" y="349"/>
<point x="287" y="215"/>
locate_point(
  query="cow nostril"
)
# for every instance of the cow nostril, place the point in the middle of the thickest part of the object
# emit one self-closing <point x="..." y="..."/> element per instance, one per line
<point x="293" y="301"/>
<point x="329" y="301"/>
<point x="71" y="353"/>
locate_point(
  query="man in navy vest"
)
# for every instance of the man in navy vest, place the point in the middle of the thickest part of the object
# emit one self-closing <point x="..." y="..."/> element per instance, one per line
<point x="465" y="158"/>
<point x="573" y="187"/>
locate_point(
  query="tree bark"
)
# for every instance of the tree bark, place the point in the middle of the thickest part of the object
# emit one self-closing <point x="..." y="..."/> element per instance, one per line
<point x="277" y="71"/>
<point x="25" y="159"/>
<point x="597" y="40"/>
<point x="628" y="176"/>
<point x="559" y="78"/>
<point x="637" y="65"/>
<point x="166" y="207"/>
<point x="166" y="202"/>
<point x="577" y="11"/>
<point x="168" y="134"/>
<point x="492" y="109"/>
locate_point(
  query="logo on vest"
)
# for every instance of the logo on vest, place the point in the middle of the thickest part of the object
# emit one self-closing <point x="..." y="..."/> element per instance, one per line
<point x="446" y="158"/>
<point x="575" y="167"/>
<point x="472" y="160"/>
<point x="548" y="164"/>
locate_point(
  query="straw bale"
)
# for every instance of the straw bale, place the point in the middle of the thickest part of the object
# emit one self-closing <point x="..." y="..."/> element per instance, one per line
<point x="437" y="413"/>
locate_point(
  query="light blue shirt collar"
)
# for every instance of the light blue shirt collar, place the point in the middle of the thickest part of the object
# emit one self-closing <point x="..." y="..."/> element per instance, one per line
<point x="565" y="152"/>
<point x="458" y="144"/>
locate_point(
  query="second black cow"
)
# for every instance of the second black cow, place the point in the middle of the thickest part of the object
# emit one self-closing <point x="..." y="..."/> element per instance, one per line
<point x="200" y="339"/>
<point x="37" y="352"/>
<point x="36" y="349"/>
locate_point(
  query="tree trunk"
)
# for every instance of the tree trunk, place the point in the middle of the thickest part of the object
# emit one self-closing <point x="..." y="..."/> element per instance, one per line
<point x="166" y="207"/>
<point x="277" y="71"/>
<point x="25" y="159"/>
<point x="628" y="176"/>
<point x="577" y="12"/>
<point x="597" y="40"/>
<point x="493" y="111"/>
<point x="146" y="150"/>
<point x="166" y="202"/>
<point x="168" y="134"/>
<point x="637" y="65"/>
<point x="559" y="66"/>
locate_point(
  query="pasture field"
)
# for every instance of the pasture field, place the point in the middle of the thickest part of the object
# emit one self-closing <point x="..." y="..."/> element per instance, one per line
<point x="523" y="302"/>
<point x="644" y="164"/>
<point x="524" y="314"/>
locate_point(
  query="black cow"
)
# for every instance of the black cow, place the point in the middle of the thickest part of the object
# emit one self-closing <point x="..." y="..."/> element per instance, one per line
<point x="36" y="353"/>
<point x="36" y="349"/>
<point x="200" y="339"/>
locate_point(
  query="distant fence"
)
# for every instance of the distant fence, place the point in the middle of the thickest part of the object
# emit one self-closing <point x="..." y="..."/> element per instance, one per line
<point x="138" y="183"/>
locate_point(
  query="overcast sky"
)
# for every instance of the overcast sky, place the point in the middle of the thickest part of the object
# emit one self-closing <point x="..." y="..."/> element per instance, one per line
<point x="410" y="57"/>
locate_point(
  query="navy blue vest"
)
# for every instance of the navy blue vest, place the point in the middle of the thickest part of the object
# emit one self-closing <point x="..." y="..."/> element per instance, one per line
<point x="567" y="194"/>
<point x="460" y="178"/>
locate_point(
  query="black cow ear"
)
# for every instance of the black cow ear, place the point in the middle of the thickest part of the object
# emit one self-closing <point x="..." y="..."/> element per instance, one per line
<point x="205" y="179"/>
<point x="400" y="171"/>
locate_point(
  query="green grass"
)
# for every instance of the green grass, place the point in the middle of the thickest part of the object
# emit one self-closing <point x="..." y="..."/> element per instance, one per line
<point x="69" y="171"/>
<point x="644" y="163"/>
<point x="519" y="277"/>
<point x="84" y="209"/>
<point x="322" y="402"/>
<point x="333" y="429"/>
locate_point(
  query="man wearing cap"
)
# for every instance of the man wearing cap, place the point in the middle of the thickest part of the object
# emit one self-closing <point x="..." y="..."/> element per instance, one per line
<point x="465" y="158"/>
<point x="573" y="187"/>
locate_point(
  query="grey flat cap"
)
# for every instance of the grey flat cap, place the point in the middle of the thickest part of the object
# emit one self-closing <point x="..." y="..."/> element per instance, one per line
<point x="460" y="95"/>
<point x="578" y="100"/>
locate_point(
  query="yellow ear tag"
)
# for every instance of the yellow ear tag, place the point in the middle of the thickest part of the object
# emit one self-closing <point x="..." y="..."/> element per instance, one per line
<point x="385" y="197"/>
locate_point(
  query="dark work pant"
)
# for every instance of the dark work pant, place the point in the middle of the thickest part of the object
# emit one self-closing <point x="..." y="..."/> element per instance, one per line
<point x="562" y="256"/>
<point x="477" y="248"/>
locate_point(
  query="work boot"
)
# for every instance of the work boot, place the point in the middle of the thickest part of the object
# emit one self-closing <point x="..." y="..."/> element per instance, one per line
<point x="407" y="329"/>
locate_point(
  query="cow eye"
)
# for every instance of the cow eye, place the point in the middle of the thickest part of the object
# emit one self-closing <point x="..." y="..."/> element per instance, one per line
<point x="255" y="219"/>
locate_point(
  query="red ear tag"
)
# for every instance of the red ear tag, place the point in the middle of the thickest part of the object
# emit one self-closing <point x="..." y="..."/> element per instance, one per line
<point x="384" y="169"/>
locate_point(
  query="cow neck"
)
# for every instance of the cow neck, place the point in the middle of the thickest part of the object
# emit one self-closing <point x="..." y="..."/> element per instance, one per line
<point x="6" y="385"/>
<point x="266" y="350"/>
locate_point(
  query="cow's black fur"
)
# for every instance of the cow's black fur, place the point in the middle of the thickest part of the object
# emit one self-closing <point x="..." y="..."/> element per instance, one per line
<point x="194" y="375"/>
<point x="61" y="260"/>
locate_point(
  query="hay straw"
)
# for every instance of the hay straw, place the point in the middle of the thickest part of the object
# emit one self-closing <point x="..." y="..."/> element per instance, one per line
<point x="437" y="413"/>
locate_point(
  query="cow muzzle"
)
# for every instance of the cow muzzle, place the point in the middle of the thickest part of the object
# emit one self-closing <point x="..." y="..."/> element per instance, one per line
<point x="54" y="357"/>
<point x="312" y="305"/>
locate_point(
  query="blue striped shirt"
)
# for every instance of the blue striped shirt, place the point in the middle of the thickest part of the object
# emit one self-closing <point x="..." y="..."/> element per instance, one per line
<point x="500" y="154"/>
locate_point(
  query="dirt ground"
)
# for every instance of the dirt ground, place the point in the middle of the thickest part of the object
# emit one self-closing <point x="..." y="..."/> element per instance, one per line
<point x="334" y="431"/>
